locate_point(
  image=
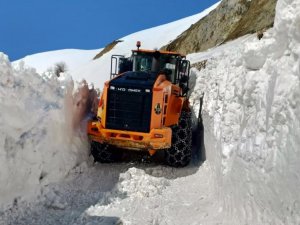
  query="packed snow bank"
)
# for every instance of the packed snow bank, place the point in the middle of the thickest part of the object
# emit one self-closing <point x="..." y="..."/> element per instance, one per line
<point x="73" y="58"/>
<point x="37" y="142"/>
<point x="251" y="117"/>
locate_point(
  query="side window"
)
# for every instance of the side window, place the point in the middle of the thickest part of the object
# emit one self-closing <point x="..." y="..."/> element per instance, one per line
<point x="115" y="65"/>
<point x="184" y="70"/>
<point x="125" y="64"/>
<point x="184" y="73"/>
<point x="169" y="68"/>
<point x="170" y="71"/>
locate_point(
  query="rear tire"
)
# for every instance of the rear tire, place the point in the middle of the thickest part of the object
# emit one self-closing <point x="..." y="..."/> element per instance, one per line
<point x="180" y="153"/>
<point x="104" y="153"/>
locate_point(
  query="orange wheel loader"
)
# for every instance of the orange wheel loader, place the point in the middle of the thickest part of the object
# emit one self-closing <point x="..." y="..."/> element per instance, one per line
<point x="144" y="107"/>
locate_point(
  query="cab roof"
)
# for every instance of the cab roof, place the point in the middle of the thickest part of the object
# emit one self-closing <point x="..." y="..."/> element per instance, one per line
<point x="160" y="51"/>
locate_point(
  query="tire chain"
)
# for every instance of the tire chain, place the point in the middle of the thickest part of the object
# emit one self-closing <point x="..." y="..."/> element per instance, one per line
<point x="101" y="152"/>
<point x="180" y="153"/>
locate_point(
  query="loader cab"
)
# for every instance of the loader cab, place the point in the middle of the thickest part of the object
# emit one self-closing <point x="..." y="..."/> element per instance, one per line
<point x="173" y="65"/>
<point x="156" y="62"/>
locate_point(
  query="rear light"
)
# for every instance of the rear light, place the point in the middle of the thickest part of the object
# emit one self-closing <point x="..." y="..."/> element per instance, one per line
<point x="158" y="135"/>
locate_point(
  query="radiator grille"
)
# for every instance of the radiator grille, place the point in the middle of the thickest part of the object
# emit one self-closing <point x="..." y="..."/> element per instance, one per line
<point x="129" y="111"/>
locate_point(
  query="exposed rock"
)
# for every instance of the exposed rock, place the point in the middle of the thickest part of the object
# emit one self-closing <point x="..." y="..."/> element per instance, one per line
<point x="199" y="65"/>
<point x="230" y="20"/>
<point x="107" y="48"/>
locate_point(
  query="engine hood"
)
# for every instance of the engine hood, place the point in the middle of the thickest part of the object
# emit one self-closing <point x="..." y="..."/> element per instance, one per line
<point x="134" y="80"/>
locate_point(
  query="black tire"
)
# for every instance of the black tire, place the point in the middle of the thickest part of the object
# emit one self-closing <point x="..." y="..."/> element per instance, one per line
<point x="180" y="154"/>
<point x="104" y="153"/>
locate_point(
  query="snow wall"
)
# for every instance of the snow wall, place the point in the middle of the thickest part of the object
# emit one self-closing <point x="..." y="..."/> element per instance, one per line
<point x="251" y="117"/>
<point x="38" y="144"/>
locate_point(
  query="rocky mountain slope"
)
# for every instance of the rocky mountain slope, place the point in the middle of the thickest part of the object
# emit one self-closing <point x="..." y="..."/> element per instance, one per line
<point x="230" y="20"/>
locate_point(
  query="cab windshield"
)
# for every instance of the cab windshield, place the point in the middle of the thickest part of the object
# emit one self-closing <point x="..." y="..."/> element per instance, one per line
<point x="155" y="62"/>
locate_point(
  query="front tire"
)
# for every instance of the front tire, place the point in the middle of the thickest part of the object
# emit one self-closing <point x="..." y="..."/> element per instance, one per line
<point x="103" y="153"/>
<point x="180" y="153"/>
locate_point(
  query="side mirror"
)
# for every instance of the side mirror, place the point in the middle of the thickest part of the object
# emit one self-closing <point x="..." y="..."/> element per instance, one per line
<point x="184" y="79"/>
<point x="184" y="88"/>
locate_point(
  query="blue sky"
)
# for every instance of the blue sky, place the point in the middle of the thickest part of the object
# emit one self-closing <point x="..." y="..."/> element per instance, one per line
<point x="32" y="26"/>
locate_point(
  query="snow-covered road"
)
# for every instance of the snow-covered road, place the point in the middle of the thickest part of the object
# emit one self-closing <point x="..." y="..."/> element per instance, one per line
<point x="131" y="192"/>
